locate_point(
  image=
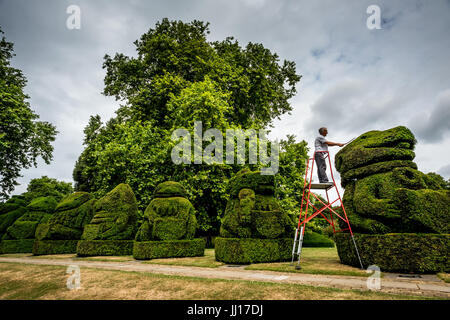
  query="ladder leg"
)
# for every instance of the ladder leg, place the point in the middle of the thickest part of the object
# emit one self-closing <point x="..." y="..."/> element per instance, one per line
<point x="299" y="251"/>
<point x="293" y="248"/>
<point x="357" y="252"/>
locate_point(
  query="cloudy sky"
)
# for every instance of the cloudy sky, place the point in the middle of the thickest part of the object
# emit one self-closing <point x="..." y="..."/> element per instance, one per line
<point x="355" y="79"/>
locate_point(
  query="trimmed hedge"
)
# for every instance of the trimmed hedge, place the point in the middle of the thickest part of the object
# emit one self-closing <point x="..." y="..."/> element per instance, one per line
<point x="104" y="248"/>
<point x="169" y="249"/>
<point x="169" y="189"/>
<point x="17" y="246"/>
<point x="43" y="204"/>
<point x="424" y="210"/>
<point x="314" y="239"/>
<point x="252" y="210"/>
<point x="254" y="180"/>
<point x="169" y="216"/>
<point x="42" y="247"/>
<point x="376" y="147"/>
<point x="71" y="215"/>
<point x="397" y="252"/>
<point x="246" y="251"/>
<point x="7" y="219"/>
<point x="115" y="216"/>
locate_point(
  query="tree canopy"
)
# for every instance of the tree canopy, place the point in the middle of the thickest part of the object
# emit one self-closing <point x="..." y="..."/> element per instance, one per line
<point x="176" y="79"/>
<point x="23" y="139"/>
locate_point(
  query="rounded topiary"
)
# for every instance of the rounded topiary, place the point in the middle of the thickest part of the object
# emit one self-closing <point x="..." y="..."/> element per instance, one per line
<point x="169" y="226"/>
<point x="10" y="211"/>
<point x="252" y="210"/>
<point x="115" y="216"/>
<point x="384" y="191"/>
<point x="38" y="211"/>
<point x="169" y="189"/>
<point x="19" y="237"/>
<point x="169" y="216"/>
<point x="71" y="214"/>
<point x="113" y="226"/>
<point x="384" y="195"/>
<point x="254" y="227"/>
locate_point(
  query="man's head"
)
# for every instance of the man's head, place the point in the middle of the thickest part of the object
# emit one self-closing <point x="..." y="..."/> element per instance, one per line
<point x="323" y="131"/>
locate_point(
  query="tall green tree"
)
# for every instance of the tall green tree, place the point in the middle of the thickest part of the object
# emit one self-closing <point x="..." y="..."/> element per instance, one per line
<point x="177" y="78"/>
<point x="45" y="186"/>
<point x="23" y="139"/>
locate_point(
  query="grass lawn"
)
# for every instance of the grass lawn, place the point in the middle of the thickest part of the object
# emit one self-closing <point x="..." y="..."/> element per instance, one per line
<point x="207" y="261"/>
<point x="444" y="276"/>
<point x="21" y="281"/>
<point x="314" y="261"/>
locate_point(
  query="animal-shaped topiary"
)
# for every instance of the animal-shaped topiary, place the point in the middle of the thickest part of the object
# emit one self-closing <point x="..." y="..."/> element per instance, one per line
<point x="10" y="211"/>
<point x="71" y="214"/>
<point x="38" y="211"/>
<point x="115" y="216"/>
<point x="169" y="216"/>
<point x="252" y="210"/>
<point x="254" y="227"/>
<point x="384" y="191"/>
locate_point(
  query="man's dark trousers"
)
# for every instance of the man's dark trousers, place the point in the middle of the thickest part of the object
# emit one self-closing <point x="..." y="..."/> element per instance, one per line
<point x="321" y="167"/>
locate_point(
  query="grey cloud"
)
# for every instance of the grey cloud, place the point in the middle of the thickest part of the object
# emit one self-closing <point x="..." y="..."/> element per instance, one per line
<point x="353" y="80"/>
<point x="445" y="171"/>
<point x="432" y="126"/>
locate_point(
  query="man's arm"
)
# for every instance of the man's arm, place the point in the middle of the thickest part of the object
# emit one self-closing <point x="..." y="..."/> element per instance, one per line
<point x="331" y="144"/>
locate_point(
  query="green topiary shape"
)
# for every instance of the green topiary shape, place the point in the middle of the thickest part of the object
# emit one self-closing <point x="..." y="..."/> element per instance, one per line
<point x="115" y="216"/>
<point x="169" y="216"/>
<point x="10" y="211"/>
<point x="38" y="211"/>
<point x="71" y="215"/>
<point x="384" y="191"/>
<point x="252" y="210"/>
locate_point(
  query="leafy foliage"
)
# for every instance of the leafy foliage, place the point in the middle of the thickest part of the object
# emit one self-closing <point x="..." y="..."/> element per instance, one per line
<point x="177" y="78"/>
<point x="23" y="139"/>
<point x="45" y="187"/>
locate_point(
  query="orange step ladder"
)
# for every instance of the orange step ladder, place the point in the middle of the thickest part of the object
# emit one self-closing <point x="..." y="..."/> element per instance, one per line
<point x="304" y="218"/>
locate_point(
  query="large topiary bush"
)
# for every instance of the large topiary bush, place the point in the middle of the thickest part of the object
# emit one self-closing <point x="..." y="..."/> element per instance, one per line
<point x="254" y="223"/>
<point x="385" y="193"/>
<point x="38" y="211"/>
<point x="10" y="211"/>
<point x="113" y="226"/>
<point x="63" y="230"/>
<point x="169" y="226"/>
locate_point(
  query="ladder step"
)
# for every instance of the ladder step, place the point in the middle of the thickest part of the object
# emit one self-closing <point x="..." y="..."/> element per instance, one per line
<point x="322" y="186"/>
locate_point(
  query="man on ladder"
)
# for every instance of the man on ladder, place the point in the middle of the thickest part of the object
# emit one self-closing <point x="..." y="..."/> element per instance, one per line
<point x="321" y="148"/>
<point x="321" y="144"/>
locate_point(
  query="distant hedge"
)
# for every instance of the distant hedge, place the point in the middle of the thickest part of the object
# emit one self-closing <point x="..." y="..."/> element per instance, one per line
<point x="17" y="246"/>
<point x="397" y="252"/>
<point x="250" y="250"/>
<point x="314" y="239"/>
<point x="168" y="249"/>
<point x="42" y="247"/>
<point x="104" y="248"/>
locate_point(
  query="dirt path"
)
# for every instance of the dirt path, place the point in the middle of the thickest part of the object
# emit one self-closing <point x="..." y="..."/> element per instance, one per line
<point x="434" y="288"/>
